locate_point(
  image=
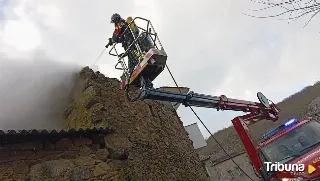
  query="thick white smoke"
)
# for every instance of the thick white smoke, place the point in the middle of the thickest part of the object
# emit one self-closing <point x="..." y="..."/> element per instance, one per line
<point x="34" y="92"/>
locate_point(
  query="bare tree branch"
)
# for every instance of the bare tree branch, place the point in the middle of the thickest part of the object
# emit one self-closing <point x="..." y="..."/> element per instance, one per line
<point x="292" y="9"/>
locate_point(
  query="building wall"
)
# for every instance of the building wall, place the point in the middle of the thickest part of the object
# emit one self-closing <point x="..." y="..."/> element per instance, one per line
<point x="69" y="159"/>
<point x="150" y="132"/>
<point x="196" y="136"/>
<point x="226" y="170"/>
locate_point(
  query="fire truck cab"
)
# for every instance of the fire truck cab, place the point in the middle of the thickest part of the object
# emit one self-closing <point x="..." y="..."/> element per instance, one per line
<point x="292" y="145"/>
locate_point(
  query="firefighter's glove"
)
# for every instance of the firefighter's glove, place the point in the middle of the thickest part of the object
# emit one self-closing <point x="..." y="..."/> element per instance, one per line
<point x="110" y="43"/>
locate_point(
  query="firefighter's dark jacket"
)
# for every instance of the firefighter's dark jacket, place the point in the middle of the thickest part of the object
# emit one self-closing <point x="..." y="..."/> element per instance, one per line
<point x="119" y="36"/>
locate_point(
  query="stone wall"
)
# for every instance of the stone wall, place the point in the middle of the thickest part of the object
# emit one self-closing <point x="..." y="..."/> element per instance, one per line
<point x="152" y="134"/>
<point x="226" y="170"/>
<point x="63" y="159"/>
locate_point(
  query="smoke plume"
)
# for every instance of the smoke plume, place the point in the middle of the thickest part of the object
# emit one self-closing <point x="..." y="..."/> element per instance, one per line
<point x="34" y="92"/>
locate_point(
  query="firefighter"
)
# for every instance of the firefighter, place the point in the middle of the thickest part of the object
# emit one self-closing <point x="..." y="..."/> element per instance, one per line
<point x="144" y="40"/>
<point x="133" y="26"/>
<point x="125" y="38"/>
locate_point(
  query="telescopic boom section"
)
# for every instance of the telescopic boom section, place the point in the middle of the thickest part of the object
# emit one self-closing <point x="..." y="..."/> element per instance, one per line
<point x="256" y="112"/>
<point x="218" y="102"/>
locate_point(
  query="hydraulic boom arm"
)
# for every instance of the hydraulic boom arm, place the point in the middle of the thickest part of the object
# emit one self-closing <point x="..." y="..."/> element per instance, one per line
<point x="256" y="112"/>
<point x="264" y="109"/>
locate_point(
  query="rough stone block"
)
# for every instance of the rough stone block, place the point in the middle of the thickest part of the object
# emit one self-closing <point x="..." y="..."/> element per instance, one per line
<point x="84" y="161"/>
<point x="49" y="169"/>
<point x="81" y="173"/>
<point x="81" y="141"/>
<point x="64" y="144"/>
<point x="101" y="169"/>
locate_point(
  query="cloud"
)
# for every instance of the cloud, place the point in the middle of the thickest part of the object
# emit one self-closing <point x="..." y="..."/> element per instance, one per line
<point x="34" y="92"/>
<point x="212" y="47"/>
<point x="22" y="35"/>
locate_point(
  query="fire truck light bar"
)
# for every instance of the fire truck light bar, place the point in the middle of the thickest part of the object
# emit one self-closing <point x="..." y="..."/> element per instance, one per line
<point x="274" y="131"/>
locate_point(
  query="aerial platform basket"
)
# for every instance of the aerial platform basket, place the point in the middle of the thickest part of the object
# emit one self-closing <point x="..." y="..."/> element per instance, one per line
<point x="151" y="61"/>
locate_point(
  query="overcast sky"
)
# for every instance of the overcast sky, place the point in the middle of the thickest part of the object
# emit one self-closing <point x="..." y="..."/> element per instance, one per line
<point x="212" y="47"/>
